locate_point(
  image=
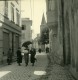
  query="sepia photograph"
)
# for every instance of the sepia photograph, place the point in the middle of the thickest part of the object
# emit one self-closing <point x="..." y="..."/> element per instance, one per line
<point x="38" y="40"/>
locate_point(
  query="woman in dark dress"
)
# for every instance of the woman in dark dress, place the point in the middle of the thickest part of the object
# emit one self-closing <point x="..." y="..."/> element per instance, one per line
<point x="19" y="56"/>
<point x="32" y="57"/>
<point x="9" y="56"/>
<point x="39" y="50"/>
<point x="47" y="49"/>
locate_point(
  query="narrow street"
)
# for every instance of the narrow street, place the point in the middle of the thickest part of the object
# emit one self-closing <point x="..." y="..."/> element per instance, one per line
<point x="47" y="26"/>
<point x="41" y="71"/>
<point x="15" y="72"/>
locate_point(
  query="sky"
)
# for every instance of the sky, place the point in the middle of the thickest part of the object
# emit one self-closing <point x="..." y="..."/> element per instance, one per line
<point x="34" y="10"/>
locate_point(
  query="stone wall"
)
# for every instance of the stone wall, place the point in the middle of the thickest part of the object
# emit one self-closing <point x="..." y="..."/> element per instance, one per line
<point x="71" y="32"/>
<point x="64" y="34"/>
<point x="70" y="26"/>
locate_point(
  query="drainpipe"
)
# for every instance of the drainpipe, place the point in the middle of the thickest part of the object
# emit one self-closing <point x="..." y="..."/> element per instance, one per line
<point x="63" y="30"/>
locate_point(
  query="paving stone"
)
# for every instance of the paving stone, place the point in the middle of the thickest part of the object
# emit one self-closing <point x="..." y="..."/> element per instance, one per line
<point x="53" y="71"/>
<point x="22" y="72"/>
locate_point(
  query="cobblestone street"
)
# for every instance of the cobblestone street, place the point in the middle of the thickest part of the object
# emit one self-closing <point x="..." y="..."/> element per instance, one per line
<point x="15" y="72"/>
<point x="57" y="72"/>
<point x="52" y="72"/>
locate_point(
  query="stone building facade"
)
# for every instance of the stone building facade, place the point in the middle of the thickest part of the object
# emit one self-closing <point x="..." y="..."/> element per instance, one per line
<point x="70" y="14"/>
<point x="36" y="44"/>
<point x="55" y="32"/>
<point x="63" y="32"/>
<point x="26" y="30"/>
<point x="10" y="31"/>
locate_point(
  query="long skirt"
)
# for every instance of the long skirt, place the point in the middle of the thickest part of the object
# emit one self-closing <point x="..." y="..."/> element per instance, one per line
<point x="26" y="58"/>
<point x="19" y="59"/>
<point x="32" y="59"/>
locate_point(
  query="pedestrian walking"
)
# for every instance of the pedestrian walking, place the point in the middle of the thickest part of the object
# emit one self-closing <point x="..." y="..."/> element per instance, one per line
<point x="19" y="56"/>
<point x="39" y="50"/>
<point x="26" y="55"/>
<point x="32" y="56"/>
<point x="9" y="56"/>
<point x="47" y="49"/>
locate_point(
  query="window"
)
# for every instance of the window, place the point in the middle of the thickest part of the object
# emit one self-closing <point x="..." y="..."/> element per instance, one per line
<point x="51" y="5"/>
<point x="18" y="17"/>
<point x="23" y="27"/>
<point x="12" y="12"/>
<point x="6" y="8"/>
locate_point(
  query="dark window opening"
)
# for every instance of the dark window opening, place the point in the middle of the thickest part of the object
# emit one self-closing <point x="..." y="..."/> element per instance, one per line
<point x="23" y="27"/>
<point x="6" y="8"/>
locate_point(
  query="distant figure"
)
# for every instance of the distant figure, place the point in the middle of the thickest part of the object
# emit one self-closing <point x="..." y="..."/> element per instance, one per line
<point x="47" y="49"/>
<point x="9" y="57"/>
<point x="39" y="50"/>
<point x="26" y="55"/>
<point x="2" y="57"/>
<point x="19" y="56"/>
<point x="32" y="56"/>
